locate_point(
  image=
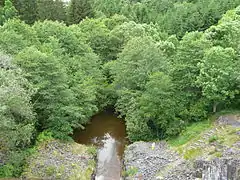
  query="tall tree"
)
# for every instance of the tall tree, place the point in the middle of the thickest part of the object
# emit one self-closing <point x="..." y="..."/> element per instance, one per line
<point x="140" y="57"/>
<point x="1" y="3"/>
<point x="15" y="35"/>
<point x="27" y="10"/>
<point x="8" y="11"/>
<point x="53" y="99"/>
<point x="159" y="107"/>
<point x="17" y="118"/>
<point x="51" y="10"/>
<point x="185" y="70"/>
<point x="111" y="7"/>
<point x="78" y="10"/>
<point x="217" y="75"/>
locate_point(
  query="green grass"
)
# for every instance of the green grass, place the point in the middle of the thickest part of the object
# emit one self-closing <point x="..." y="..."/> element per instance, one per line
<point x="92" y="150"/>
<point x="187" y="144"/>
<point x="192" y="153"/>
<point x="50" y="170"/>
<point x="190" y="133"/>
<point x="130" y="172"/>
<point x="229" y="136"/>
<point x="193" y="130"/>
<point x="213" y="139"/>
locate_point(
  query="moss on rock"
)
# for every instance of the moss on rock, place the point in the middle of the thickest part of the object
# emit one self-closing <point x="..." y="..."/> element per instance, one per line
<point x="61" y="160"/>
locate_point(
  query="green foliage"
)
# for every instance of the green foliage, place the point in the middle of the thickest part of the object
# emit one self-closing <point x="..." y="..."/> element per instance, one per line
<point x="27" y="10"/>
<point x="66" y="96"/>
<point x="78" y="10"/>
<point x="68" y="40"/>
<point x="156" y="106"/>
<point x="16" y="163"/>
<point x="137" y="127"/>
<point x="130" y="172"/>
<point x="6" y="171"/>
<point x="7" y="12"/>
<point x="107" y="36"/>
<point x="97" y="35"/>
<point x="212" y="139"/>
<point x="44" y="136"/>
<point x="189" y="53"/>
<point x="51" y="10"/>
<point x="52" y="90"/>
<point x="17" y="117"/>
<point x="61" y="75"/>
<point x="92" y="150"/>
<point x="217" y="75"/>
<point x="109" y="7"/>
<point x="15" y="36"/>
<point x="114" y="21"/>
<point x="128" y="30"/>
<point x="172" y="16"/>
<point x="140" y="57"/>
<point x="185" y="71"/>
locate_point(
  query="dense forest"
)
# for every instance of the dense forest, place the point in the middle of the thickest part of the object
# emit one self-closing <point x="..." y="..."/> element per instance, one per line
<point x="162" y="64"/>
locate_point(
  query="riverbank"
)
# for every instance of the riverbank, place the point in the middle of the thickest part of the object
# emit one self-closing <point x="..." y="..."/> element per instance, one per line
<point x="79" y="159"/>
<point x="61" y="160"/>
<point x="213" y="153"/>
<point x="205" y="150"/>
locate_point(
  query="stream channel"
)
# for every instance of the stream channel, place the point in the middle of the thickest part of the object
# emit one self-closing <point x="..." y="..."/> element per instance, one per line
<point x="108" y="133"/>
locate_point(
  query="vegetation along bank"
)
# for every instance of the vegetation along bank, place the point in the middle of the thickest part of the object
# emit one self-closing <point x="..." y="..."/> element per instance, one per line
<point x="165" y="67"/>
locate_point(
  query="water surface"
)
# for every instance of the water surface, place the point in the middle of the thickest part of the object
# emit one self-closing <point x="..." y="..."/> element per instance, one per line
<point x="108" y="133"/>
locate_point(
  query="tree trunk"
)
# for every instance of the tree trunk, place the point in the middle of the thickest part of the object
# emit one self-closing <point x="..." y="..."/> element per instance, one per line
<point x="215" y="107"/>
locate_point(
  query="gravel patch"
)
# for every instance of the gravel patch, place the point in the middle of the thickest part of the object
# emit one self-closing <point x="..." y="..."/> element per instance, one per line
<point x="147" y="162"/>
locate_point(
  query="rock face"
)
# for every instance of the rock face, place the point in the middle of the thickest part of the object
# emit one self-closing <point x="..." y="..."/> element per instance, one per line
<point x="233" y="120"/>
<point x="213" y="155"/>
<point x="224" y="168"/>
<point x="56" y="160"/>
<point x="219" y="169"/>
<point x="147" y="162"/>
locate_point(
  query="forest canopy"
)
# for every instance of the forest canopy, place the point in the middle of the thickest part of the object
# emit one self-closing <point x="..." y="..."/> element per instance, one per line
<point x="162" y="64"/>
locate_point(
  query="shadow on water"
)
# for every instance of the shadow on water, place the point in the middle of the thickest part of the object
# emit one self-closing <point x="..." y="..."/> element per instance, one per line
<point x="108" y="133"/>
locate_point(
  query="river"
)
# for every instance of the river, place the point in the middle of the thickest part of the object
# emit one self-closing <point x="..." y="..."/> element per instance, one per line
<point x="108" y="133"/>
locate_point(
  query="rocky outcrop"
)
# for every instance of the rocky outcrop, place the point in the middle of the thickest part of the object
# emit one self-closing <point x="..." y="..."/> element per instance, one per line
<point x="219" y="169"/>
<point x="226" y="167"/>
<point x="143" y="162"/>
<point x="213" y="155"/>
<point x="57" y="160"/>
<point x="233" y="120"/>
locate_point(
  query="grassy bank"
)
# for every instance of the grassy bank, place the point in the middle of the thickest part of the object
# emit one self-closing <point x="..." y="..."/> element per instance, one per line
<point x="207" y="138"/>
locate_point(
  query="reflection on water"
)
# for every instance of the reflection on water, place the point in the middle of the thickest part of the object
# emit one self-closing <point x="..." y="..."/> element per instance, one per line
<point x="108" y="160"/>
<point x="108" y="133"/>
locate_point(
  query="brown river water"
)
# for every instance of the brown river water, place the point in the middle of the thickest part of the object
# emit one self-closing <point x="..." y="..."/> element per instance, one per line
<point x="108" y="133"/>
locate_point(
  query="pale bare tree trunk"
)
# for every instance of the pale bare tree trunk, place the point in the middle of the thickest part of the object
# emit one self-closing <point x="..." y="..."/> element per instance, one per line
<point x="215" y="107"/>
